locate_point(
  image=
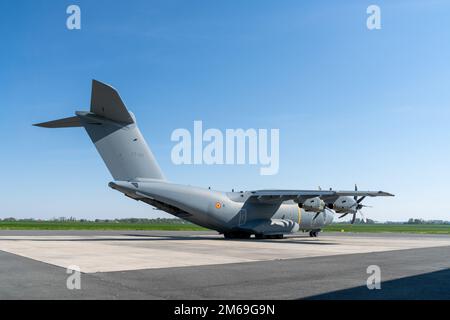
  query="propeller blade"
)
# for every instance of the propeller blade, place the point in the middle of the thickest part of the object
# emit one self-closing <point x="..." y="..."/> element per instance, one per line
<point x="354" y="218"/>
<point x="317" y="214"/>
<point x="343" y="215"/>
<point x="356" y="189"/>
<point x="360" y="199"/>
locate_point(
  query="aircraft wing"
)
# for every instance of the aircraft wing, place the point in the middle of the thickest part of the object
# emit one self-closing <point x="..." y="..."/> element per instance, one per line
<point x="274" y="196"/>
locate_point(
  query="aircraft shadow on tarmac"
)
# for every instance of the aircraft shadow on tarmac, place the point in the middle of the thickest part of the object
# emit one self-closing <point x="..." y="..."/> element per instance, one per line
<point x="304" y="239"/>
<point x="427" y="286"/>
<point x="143" y="237"/>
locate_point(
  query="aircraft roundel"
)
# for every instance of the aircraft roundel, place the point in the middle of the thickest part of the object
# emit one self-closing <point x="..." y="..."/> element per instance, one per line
<point x="218" y="205"/>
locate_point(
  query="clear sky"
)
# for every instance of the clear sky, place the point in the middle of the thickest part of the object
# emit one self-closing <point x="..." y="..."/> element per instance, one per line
<point x="352" y="105"/>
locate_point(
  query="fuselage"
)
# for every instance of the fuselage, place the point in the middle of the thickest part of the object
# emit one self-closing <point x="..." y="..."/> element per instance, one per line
<point x="227" y="211"/>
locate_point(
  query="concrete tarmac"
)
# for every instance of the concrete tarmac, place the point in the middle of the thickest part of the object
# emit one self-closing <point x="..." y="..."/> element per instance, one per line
<point x="202" y="265"/>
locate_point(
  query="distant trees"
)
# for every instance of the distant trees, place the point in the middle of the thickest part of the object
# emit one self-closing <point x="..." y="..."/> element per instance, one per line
<point x="422" y="221"/>
<point x="357" y="221"/>
<point x="415" y="221"/>
<point x="123" y="220"/>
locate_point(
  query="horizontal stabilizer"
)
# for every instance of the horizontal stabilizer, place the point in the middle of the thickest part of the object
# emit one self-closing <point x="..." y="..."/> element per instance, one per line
<point x="61" y="123"/>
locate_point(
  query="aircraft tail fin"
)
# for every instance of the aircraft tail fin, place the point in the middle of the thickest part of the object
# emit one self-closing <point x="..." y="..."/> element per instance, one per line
<point x="114" y="132"/>
<point x="106" y="102"/>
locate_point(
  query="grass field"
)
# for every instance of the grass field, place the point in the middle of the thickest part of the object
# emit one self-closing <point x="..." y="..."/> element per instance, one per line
<point x="396" y="228"/>
<point x="75" y="225"/>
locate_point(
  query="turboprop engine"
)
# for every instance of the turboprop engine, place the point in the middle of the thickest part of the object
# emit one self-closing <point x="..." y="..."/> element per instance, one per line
<point x="313" y="204"/>
<point x="349" y="205"/>
<point x="345" y="205"/>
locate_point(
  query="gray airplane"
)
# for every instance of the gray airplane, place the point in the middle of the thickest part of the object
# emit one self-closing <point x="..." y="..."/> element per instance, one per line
<point x="263" y="213"/>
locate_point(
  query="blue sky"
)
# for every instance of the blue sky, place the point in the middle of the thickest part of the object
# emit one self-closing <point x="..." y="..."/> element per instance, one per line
<point x="352" y="105"/>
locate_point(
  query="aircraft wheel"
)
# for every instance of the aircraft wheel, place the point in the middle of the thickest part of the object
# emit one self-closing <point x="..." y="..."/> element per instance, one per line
<point x="313" y="234"/>
<point x="272" y="236"/>
<point x="228" y="235"/>
<point x="236" y="235"/>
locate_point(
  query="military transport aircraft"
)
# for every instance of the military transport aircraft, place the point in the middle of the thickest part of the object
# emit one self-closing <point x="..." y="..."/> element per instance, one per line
<point x="263" y="213"/>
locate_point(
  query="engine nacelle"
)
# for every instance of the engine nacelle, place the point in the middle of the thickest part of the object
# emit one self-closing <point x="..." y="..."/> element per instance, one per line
<point x="345" y="205"/>
<point x="313" y="204"/>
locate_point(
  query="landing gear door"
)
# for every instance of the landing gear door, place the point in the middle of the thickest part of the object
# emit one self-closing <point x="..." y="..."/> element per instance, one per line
<point x="242" y="217"/>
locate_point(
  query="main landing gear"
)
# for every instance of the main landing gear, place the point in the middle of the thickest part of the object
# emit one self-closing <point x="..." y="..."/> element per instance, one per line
<point x="313" y="234"/>
<point x="237" y="235"/>
<point x="267" y="236"/>
<point x="245" y="235"/>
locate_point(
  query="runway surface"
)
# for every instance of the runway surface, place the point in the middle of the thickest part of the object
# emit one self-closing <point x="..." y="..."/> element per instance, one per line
<point x="202" y="265"/>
